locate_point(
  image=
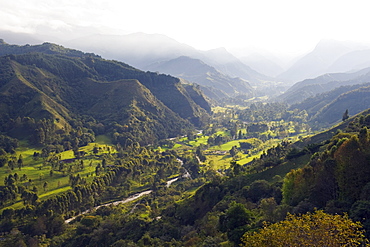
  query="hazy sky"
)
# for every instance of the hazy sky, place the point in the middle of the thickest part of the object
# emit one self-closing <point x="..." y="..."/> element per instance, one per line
<point x="282" y="26"/>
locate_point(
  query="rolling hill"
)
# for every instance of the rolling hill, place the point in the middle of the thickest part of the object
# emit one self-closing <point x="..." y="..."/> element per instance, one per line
<point x="51" y="82"/>
<point x="196" y="71"/>
<point x="310" y="87"/>
<point x="146" y="50"/>
<point x="355" y="101"/>
<point x="327" y="108"/>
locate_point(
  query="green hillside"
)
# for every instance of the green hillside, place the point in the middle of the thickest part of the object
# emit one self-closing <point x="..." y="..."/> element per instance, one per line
<point x="355" y="101"/>
<point x="63" y="85"/>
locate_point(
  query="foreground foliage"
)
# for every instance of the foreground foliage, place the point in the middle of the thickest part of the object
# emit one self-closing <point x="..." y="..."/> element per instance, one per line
<point x="311" y="229"/>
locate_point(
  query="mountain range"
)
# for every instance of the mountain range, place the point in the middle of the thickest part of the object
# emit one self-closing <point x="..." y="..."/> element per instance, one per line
<point x="141" y="50"/>
<point x="327" y="108"/>
<point x="329" y="56"/>
<point x="327" y="82"/>
<point x="151" y="51"/>
<point x="157" y="52"/>
<point x="195" y="70"/>
<point x="144" y="51"/>
<point x="49" y="81"/>
<point x="327" y="97"/>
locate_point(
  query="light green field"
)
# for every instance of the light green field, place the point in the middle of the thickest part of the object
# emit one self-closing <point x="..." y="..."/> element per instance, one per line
<point x="222" y="160"/>
<point x="200" y="140"/>
<point x="39" y="172"/>
<point x="177" y="146"/>
<point x="226" y="146"/>
<point x="219" y="162"/>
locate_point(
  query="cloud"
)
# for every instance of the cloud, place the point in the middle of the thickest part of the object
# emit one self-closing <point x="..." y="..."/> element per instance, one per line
<point x="285" y="25"/>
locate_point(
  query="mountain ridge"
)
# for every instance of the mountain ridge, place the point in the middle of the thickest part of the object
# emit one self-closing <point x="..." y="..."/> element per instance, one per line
<point x="324" y="83"/>
<point x="71" y="83"/>
<point x="196" y="71"/>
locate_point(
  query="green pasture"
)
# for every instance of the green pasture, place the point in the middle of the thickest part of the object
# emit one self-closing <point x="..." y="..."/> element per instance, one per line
<point x="246" y="159"/>
<point x="226" y="146"/>
<point x="200" y="140"/>
<point x="38" y="171"/>
<point x="280" y="170"/>
<point x="219" y="162"/>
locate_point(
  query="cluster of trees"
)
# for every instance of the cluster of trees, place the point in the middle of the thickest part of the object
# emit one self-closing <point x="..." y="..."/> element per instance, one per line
<point x="45" y="132"/>
<point x="336" y="178"/>
<point x="7" y="145"/>
<point x="218" y="140"/>
<point x="116" y="176"/>
<point x="273" y="156"/>
<point x="259" y="112"/>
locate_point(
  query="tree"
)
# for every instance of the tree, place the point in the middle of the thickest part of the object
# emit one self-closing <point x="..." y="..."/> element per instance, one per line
<point x="45" y="185"/>
<point x="235" y="168"/>
<point x="311" y="229"/>
<point x="20" y="162"/>
<point x="233" y="151"/>
<point x="240" y="134"/>
<point x="235" y="221"/>
<point x="345" y="115"/>
<point x="3" y="161"/>
<point x="96" y="150"/>
<point x="200" y="154"/>
<point x="259" y="189"/>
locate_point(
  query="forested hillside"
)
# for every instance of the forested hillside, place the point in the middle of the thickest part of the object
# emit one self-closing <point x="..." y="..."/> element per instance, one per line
<point x="112" y="97"/>
<point x="323" y="84"/>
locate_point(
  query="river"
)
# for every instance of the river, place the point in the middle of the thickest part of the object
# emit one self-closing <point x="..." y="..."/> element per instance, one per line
<point x="133" y="197"/>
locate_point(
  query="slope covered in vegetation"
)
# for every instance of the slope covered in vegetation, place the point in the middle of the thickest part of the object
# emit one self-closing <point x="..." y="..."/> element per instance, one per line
<point x="116" y="98"/>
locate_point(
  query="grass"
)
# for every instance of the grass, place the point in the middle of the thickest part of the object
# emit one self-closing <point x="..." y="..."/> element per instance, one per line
<point x="200" y="140"/>
<point x="219" y="162"/>
<point x="280" y="170"/>
<point x="53" y="192"/>
<point x="57" y="183"/>
<point x="226" y="146"/>
<point x="177" y="145"/>
<point x="248" y="159"/>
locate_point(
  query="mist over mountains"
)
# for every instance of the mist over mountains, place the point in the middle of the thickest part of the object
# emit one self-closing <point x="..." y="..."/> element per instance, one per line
<point x="222" y="73"/>
<point x="321" y="60"/>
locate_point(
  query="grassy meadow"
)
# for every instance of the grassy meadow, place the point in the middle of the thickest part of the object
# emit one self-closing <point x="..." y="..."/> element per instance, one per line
<point x="38" y="171"/>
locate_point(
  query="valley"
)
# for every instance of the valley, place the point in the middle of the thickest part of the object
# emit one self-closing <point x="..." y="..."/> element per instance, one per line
<point x="96" y="152"/>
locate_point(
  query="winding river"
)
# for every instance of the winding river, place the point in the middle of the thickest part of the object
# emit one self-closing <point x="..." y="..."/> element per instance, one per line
<point x="133" y="197"/>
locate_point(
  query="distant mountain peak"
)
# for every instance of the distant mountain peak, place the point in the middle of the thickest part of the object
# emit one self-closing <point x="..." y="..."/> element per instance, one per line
<point x="332" y="43"/>
<point x="318" y="61"/>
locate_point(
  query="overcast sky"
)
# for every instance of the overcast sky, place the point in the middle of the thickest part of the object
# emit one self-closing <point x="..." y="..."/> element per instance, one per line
<point x="281" y="26"/>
